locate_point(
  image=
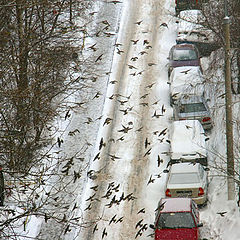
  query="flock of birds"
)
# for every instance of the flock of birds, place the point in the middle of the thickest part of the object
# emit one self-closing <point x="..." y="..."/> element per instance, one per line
<point x="113" y="195"/>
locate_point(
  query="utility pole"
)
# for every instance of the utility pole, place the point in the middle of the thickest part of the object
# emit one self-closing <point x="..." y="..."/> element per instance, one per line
<point x="228" y="102"/>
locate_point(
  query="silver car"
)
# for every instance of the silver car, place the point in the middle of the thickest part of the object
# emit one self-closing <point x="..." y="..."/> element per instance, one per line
<point x="188" y="180"/>
<point x="193" y="107"/>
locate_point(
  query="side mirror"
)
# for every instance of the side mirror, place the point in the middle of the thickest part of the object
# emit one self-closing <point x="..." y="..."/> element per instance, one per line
<point x="200" y="225"/>
<point x="151" y="226"/>
<point x="207" y="169"/>
<point x="165" y="171"/>
<point x="177" y="21"/>
<point x="206" y="139"/>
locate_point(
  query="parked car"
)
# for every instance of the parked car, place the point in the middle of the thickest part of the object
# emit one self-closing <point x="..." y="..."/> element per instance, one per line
<point x="183" y="55"/>
<point x="188" y="180"/>
<point x="181" y="5"/>
<point x="193" y="107"/>
<point x="1" y="187"/>
<point x="185" y="80"/>
<point x="177" y="219"/>
<point x="191" y="29"/>
<point x="188" y="142"/>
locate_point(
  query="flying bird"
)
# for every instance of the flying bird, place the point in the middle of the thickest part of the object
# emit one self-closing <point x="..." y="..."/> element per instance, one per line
<point x="159" y="161"/>
<point x="163" y="132"/>
<point x="151" y="64"/>
<point x="119" y="51"/>
<point x="139" y="22"/>
<point x="139" y="224"/>
<point x="151" y="180"/>
<point x="59" y="141"/>
<point x="160" y="207"/>
<point x="124" y="129"/>
<point x="67" y="115"/>
<point x="107" y="121"/>
<point x="134" y="59"/>
<point x="95" y="228"/>
<point x="163" y="109"/>
<point x="115" y="2"/>
<point x="144" y="96"/>
<point x="163" y="25"/>
<point x="134" y="41"/>
<point x="119" y="220"/>
<point x="131" y="66"/>
<point x="92" y="47"/>
<point x="102" y="144"/>
<point x="145" y="42"/>
<point x="113" y="157"/>
<point x="221" y="213"/>
<point x="186" y="71"/>
<point x="104" y="233"/>
<point x="148" y="152"/>
<point x="156" y="115"/>
<point x="99" y="58"/>
<point x="97" y="156"/>
<point x="141" y="211"/>
<point x="142" y="53"/>
<point x="113" y="219"/>
<point x="146" y="143"/>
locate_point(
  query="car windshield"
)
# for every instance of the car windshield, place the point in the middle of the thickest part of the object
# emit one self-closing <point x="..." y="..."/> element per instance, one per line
<point x="184" y="54"/>
<point x="175" y="220"/>
<point x="183" y="178"/>
<point x="192" y="107"/>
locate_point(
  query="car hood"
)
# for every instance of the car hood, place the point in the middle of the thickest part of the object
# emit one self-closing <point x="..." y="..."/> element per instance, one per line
<point x="176" y="234"/>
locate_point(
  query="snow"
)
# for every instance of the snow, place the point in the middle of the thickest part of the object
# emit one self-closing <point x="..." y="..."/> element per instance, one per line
<point x="187" y="140"/>
<point x="127" y="165"/>
<point x="187" y="79"/>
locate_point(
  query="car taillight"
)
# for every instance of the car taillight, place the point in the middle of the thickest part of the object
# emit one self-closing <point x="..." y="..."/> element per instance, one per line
<point x="175" y="1"/>
<point x="168" y="194"/>
<point x="206" y="119"/>
<point x="200" y="192"/>
<point x="182" y="119"/>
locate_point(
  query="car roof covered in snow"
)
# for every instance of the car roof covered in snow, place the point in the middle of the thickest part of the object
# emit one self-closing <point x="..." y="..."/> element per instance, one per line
<point x="187" y="79"/>
<point x="176" y="204"/>
<point x="185" y="167"/>
<point x="187" y="137"/>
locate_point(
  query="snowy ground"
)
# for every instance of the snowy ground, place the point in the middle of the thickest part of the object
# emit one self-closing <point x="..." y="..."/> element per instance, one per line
<point x="131" y="119"/>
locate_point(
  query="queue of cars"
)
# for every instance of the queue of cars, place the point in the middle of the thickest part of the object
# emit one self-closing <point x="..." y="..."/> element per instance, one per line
<point x="177" y="215"/>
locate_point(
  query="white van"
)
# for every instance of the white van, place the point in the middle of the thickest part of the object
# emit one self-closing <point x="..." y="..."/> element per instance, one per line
<point x="188" y="142"/>
<point x="186" y="80"/>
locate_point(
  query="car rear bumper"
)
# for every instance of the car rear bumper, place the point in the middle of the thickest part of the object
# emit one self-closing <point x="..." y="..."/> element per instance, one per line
<point x="200" y="200"/>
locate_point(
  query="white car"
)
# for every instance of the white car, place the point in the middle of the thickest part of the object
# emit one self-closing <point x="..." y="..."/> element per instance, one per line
<point x="186" y="80"/>
<point x="188" y="142"/>
<point x="187" y="180"/>
<point x="191" y="29"/>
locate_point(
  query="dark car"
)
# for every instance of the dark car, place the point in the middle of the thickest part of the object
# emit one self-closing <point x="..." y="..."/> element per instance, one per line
<point x="177" y="219"/>
<point x="181" y="5"/>
<point x="193" y="107"/>
<point x="1" y="187"/>
<point x="183" y="55"/>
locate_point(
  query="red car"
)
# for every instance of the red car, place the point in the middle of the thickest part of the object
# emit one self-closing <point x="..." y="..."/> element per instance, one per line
<point x="177" y="219"/>
<point x="184" y="54"/>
